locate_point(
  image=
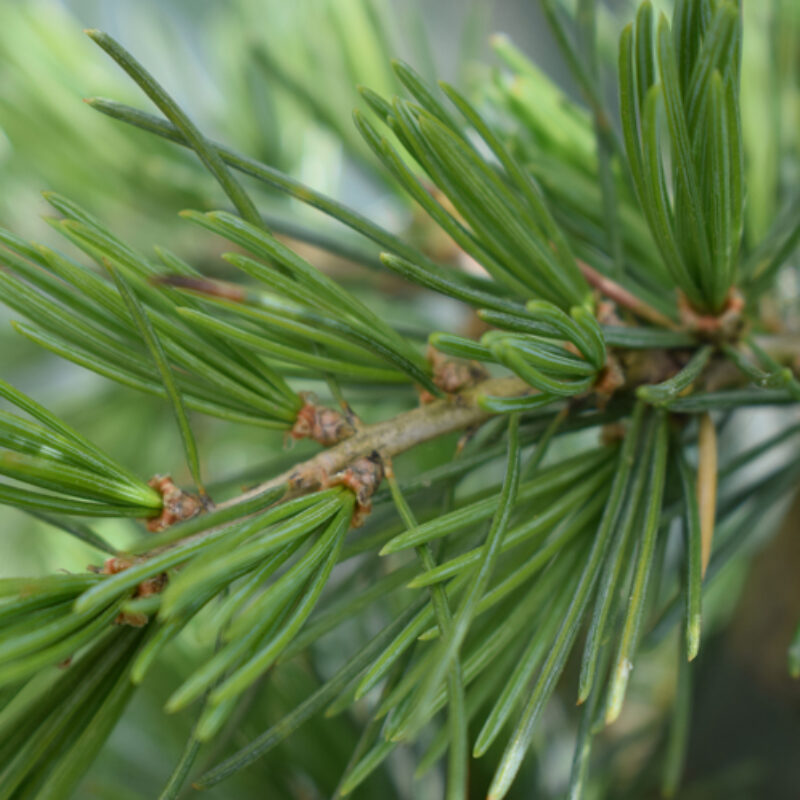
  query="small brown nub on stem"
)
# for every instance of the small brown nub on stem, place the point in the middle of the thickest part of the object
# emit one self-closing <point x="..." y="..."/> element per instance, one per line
<point x="452" y="375"/>
<point x="324" y="425"/>
<point x="133" y="619"/>
<point x="146" y="588"/>
<point x="362" y="477"/>
<point x="177" y="504"/>
<point x="151" y="586"/>
<point x="115" y="564"/>
<point x="610" y="378"/>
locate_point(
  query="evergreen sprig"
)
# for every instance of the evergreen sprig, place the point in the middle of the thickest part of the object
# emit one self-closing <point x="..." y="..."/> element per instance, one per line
<point x="622" y="300"/>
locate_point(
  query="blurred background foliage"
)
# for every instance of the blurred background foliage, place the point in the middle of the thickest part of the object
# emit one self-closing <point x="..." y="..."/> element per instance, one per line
<point x="277" y="80"/>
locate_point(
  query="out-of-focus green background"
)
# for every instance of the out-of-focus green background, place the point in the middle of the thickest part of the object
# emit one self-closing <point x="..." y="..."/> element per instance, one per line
<point x="746" y="732"/>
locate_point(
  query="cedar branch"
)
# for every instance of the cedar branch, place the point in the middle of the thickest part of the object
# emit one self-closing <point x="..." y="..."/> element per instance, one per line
<point x="393" y="436"/>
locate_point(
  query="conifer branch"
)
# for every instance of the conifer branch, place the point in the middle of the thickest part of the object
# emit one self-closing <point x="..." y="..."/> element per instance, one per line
<point x="392" y="437"/>
<point x="618" y="294"/>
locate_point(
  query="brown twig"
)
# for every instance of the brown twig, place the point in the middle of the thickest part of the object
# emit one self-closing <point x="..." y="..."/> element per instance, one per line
<point x="622" y="297"/>
<point x="392" y="436"/>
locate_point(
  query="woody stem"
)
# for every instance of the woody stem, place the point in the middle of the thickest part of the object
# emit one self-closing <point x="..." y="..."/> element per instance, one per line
<point x="622" y="297"/>
<point x="393" y="436"/>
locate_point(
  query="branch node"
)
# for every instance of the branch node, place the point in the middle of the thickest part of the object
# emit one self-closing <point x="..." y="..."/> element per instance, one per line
<point x="725" y="326"/>
<point x="178" y="505"/>
<point x="362" y="477"/>
<point x="610" y="378"/>
<point x="326" y="426"/>
<point x="451" y="375"/>
<point x="146" y="588"/>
